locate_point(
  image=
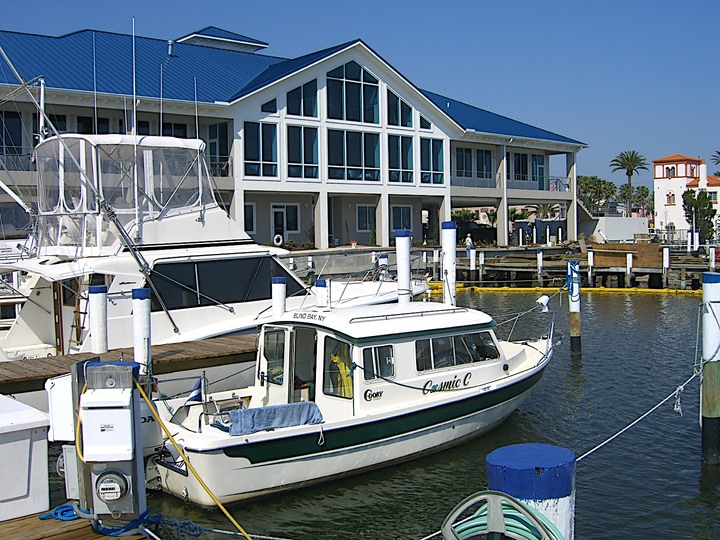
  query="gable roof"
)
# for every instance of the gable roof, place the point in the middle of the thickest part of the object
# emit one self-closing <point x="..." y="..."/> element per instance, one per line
<point x="474" y="118"/>
<point x="219" y="33"/>
<point x="280" y="70"/>
<point x="90" y="60"/>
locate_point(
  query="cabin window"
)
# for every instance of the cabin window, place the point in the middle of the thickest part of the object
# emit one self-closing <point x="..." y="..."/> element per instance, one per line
<point x="337" y="378"/>
<point x="274" y="353"/>
<point x="206" y="283"/>
<point x="444" y="352"/>
<point x="378" y="362"/>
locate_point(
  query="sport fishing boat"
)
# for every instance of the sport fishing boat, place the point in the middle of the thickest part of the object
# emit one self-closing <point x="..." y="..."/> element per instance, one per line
<point x="338" y="391"/>
<point x="126" y="212"/>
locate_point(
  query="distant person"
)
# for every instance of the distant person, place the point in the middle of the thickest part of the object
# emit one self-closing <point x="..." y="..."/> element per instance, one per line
<point x="468" y="244"/>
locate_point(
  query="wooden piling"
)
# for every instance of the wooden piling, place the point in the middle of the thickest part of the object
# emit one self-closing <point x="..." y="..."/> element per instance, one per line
<point x="573" y="282"/>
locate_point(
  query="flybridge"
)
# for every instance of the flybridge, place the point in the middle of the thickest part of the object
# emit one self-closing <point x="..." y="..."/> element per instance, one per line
<point x="91" y="185"/>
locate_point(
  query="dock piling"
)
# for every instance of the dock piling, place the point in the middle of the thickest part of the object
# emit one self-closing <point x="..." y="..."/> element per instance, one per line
<point x="591" y="264"/>
<point x="628" y="269"/>
<point x="540" y="475"/>
<point x="539" y="267"/>
<point x="97" y="298"/>
<point x="141" y="329"/>
<point x="573" y="285"/>
<point x="710" y="385"/>
<point x="666" y="265"/>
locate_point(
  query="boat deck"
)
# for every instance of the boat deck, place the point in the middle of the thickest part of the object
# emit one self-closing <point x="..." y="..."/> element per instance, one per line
<point x="30" y="375"/>
<point x="33" y="528"/>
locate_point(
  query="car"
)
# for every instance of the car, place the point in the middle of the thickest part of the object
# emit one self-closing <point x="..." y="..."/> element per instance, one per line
<point x="479" y="232"/>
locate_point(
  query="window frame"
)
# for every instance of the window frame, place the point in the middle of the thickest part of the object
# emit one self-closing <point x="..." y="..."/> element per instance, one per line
<point x="253" y="214"/>
<point x="259" y="138"/>
<point x="370" y="210"/>
<point x="401" y="208"/>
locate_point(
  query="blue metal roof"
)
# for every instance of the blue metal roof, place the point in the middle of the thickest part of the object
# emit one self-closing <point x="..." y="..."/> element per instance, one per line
<point x="215" y="32"/>
<point x="66" y="62"/>
<point x="469" y="117"/>
<point x="277" y="71"/>
<point x="222" y="75"/>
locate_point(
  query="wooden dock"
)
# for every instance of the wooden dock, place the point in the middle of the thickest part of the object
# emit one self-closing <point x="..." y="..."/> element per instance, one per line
<point x="30" y="375"/>
<point x="34" y="528"/>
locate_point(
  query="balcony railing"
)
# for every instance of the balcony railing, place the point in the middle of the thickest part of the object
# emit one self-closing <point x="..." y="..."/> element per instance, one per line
<point x="219" y="166"/>
<point x="553" y="183"/>
<point x="17" y="158"/>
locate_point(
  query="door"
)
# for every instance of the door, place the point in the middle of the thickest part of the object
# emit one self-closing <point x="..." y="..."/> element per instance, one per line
<point x="275" y="372"/>
<point x="278" y="217"/>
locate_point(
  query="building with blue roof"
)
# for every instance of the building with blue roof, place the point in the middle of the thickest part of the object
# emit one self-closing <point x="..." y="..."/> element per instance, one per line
<point x="326" y="148"/>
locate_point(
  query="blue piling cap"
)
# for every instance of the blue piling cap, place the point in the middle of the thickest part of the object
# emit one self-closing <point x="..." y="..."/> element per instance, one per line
<point x="448" y="225"/>
<point x="404" y="233"/>
<point x="711" y="277"/>
<point x="97" y="289"/>
<point x="279" y="279"/>
<point x="532" y="471"/>
<point x="140" y="294"/>
<point x="320" y="283"/>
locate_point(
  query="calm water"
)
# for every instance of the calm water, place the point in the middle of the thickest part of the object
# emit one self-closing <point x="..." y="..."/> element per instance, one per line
<point x="646" y="484"/>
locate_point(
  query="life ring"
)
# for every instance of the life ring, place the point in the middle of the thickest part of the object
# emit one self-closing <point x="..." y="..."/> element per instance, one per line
<point x="278" y="240"/>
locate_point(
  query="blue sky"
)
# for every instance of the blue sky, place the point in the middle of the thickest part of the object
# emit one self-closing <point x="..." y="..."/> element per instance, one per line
<point x="616" y="74"/>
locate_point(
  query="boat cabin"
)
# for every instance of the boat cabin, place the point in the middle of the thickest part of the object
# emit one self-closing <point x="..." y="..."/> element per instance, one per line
<point x="354" y="362"/>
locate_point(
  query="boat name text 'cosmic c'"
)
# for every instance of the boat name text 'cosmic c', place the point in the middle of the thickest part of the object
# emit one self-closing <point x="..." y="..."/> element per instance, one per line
<point x="453" y="384"/>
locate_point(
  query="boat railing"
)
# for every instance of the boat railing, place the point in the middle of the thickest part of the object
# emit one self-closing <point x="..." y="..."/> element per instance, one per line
<point x="393" y="316"/>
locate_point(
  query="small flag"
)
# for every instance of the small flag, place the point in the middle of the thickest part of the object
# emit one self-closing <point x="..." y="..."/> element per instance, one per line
<point x="195" y="393"/>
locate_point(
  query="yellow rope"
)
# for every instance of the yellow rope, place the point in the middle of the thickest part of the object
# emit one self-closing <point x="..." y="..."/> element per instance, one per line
<point x="187" y="462"/>
<point x="77" y="430"/>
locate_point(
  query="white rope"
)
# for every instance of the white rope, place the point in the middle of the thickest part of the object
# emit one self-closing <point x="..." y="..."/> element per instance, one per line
<point x="675" y="394"/>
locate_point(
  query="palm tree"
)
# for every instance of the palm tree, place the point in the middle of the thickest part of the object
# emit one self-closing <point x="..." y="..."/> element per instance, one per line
<point x="631" y="162"/>
<point x="642" y="198"/>
<point x="543" y="211"/>
<point x="716" y="157"/>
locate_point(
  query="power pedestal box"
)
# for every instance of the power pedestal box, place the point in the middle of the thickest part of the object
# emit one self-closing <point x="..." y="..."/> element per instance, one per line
<point x="111" y="441"/>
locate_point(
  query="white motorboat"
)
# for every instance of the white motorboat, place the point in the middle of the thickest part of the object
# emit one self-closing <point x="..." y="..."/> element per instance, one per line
<point x="126" y="212"/>
<point x="339" y="391"/>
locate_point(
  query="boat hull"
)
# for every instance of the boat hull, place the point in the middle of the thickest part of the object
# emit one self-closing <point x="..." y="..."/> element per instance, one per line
<point x="323" y="452"/>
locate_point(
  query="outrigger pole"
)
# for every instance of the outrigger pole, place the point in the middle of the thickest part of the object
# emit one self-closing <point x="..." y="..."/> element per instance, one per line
<point x="102" y="203"/>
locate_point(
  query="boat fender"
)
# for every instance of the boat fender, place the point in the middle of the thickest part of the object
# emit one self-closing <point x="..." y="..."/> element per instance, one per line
<point x="278" y="240"/>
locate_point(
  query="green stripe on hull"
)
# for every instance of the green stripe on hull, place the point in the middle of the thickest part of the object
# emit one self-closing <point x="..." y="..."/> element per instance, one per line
<point x="376" y="431"/>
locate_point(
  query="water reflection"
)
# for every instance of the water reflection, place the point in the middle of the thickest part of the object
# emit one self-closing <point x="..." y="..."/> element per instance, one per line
<point x="636" y="350"/>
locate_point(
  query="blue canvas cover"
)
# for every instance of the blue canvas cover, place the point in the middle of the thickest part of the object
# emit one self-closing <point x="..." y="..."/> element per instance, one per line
<point x="246" y="421"/>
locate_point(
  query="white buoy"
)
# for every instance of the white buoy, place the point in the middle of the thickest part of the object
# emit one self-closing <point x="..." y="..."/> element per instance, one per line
<point x="322" y="293"/>
<point x="541" y="476"/>
<point x="449" y="258"/>
<point x="402" y="254"/>
<point x="97" y="299"/>
<point x="141" y="329"/>
<point x="279" y="295"/>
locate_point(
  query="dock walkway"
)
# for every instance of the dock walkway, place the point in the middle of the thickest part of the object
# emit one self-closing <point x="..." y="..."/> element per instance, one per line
<point x="34" y="528"/>
<point x="30" y="375"/>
